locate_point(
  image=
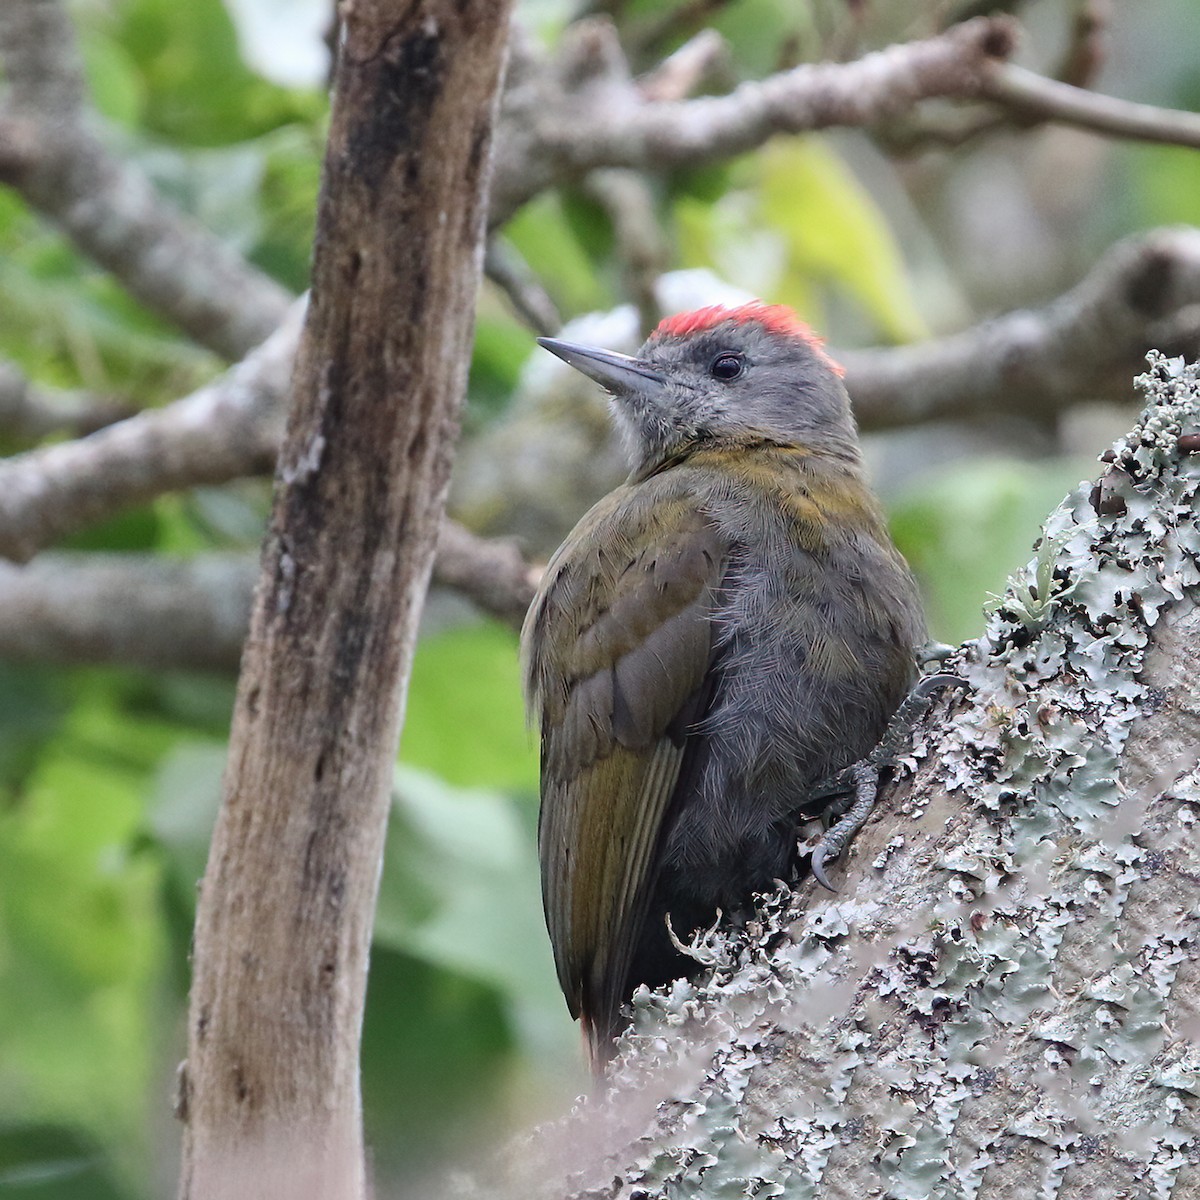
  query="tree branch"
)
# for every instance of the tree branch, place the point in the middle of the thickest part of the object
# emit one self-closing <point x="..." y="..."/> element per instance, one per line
<point x="50" y="153"/>
<point x="492" y="573"/>
<point x="29" y="413"/>
<point x="156" y="612"/>
<point x="529" y="299"/>
<point x="584" y="111"/>
<point x="685" y="70"/>
<point x="1085" y="345"/>
<point x="1001" y="1000"/>
<point x="228" y="429"/>
<point x="1029" y="95"/>
<point x="134" y="610"/>
<point x="640" y="246"/>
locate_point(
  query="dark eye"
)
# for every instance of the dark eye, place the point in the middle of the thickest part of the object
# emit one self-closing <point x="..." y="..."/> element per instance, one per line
<point x="727" y="366"/>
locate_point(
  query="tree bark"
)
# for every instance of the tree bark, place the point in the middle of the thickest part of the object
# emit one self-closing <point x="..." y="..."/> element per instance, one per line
<point x="270" y="1090"/>
<point x="1003" y="1000"/>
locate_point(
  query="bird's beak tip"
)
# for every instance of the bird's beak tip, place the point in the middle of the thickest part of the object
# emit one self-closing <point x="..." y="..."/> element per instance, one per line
<point x="617" y="373"/>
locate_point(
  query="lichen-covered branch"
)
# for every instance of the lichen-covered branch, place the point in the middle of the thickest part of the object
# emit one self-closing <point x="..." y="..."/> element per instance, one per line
<point x="1002" y="999"/>
<point x="50" y="153"/>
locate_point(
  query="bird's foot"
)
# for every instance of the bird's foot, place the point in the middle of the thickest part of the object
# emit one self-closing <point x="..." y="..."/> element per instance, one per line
<point x="933" y="653"/>
<point x="853" y="791"/>
<point x="865" y="777"/>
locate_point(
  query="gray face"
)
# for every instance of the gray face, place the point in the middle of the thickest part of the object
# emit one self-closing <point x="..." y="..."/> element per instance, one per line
<point x="740" y="379"/>
<point x="735" y="380"/>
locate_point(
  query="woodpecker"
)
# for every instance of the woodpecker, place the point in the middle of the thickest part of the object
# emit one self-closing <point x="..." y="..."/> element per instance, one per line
<point x="723" y="632"/>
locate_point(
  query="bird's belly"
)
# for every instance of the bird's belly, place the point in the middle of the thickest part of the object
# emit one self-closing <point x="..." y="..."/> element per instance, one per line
<point x="776" y="728"/>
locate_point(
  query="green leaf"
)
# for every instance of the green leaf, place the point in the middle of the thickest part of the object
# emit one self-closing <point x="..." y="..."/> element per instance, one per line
<point x="198" y="89"/>
<point x="465" y="718"/>
<point x="1161" y="187"/>
<point x="182" y="811"/>
<point x="501" y="349"/>
<point x="69" y="324"/>
<point x="81" y="934"/>
<point x="460" y="890"/>
<point x="114" y="84"/>
<point x="436" y="1061"/>
<point x="965" y="531"/>
<point x="834" y="233"/>
<point x="758" y="31"/>
<point x="544" y="238"/>
<point x="729" y="238"/>
<point x="32" y="706"/>
<point x="50" y="1162"/>
<point x="133" y="529"/>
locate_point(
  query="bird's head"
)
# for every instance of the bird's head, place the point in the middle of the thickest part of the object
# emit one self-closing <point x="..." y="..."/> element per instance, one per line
<point x="755" y="372"/>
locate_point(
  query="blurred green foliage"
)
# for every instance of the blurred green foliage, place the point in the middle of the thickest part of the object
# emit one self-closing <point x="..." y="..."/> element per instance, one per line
<point x="966" y="529"/>
<point x="109" y="779"/>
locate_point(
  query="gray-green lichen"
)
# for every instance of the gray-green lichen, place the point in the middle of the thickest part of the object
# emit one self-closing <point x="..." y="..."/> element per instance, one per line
<point x="1004" y="999"/>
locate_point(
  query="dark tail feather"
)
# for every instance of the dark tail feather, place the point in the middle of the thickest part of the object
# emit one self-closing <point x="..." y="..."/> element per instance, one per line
<point x="599" y="1044"/>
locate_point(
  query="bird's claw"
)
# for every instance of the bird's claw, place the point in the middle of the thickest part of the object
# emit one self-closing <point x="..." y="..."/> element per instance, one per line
<point x="863" y="777"/>
<point x="816" y="866"/>
<point x="934" y="652"/>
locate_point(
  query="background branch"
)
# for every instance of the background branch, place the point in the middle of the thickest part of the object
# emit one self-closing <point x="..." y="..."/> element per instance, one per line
<point x="150" y="611"/>
<point x="562" y="123"/>
<point x="108" y="208"/>
<point x="1032" y="96"/>
<point x="524" y="291"/>
<point x="227" y="429"/>
<point x="135" y="610"/>
<point x="1087" y="344"/>
<point x="29" y="413"/>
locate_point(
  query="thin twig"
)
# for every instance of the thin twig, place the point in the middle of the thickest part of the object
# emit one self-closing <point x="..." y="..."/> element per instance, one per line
<point x="641" y="247"/>
<point x="525" y="291"/>
<point x="1032" y="95"/>
<point x="684" y="72"/>
<point x="29" y="413"/>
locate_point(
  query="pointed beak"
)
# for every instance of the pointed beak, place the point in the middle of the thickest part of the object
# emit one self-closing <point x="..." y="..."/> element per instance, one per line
<point x="616" y="373"/>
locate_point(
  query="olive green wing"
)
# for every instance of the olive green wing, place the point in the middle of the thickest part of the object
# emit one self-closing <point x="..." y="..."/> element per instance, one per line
<point x="618" y="644"/>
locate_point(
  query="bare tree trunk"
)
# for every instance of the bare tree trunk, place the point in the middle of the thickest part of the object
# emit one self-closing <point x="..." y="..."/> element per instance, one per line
<point x="1003" y="1000"/>
<point x="270" y="1092"/>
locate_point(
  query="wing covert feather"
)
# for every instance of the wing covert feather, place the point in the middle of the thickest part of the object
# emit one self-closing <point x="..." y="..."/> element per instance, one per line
<point x="617" y="642"/>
